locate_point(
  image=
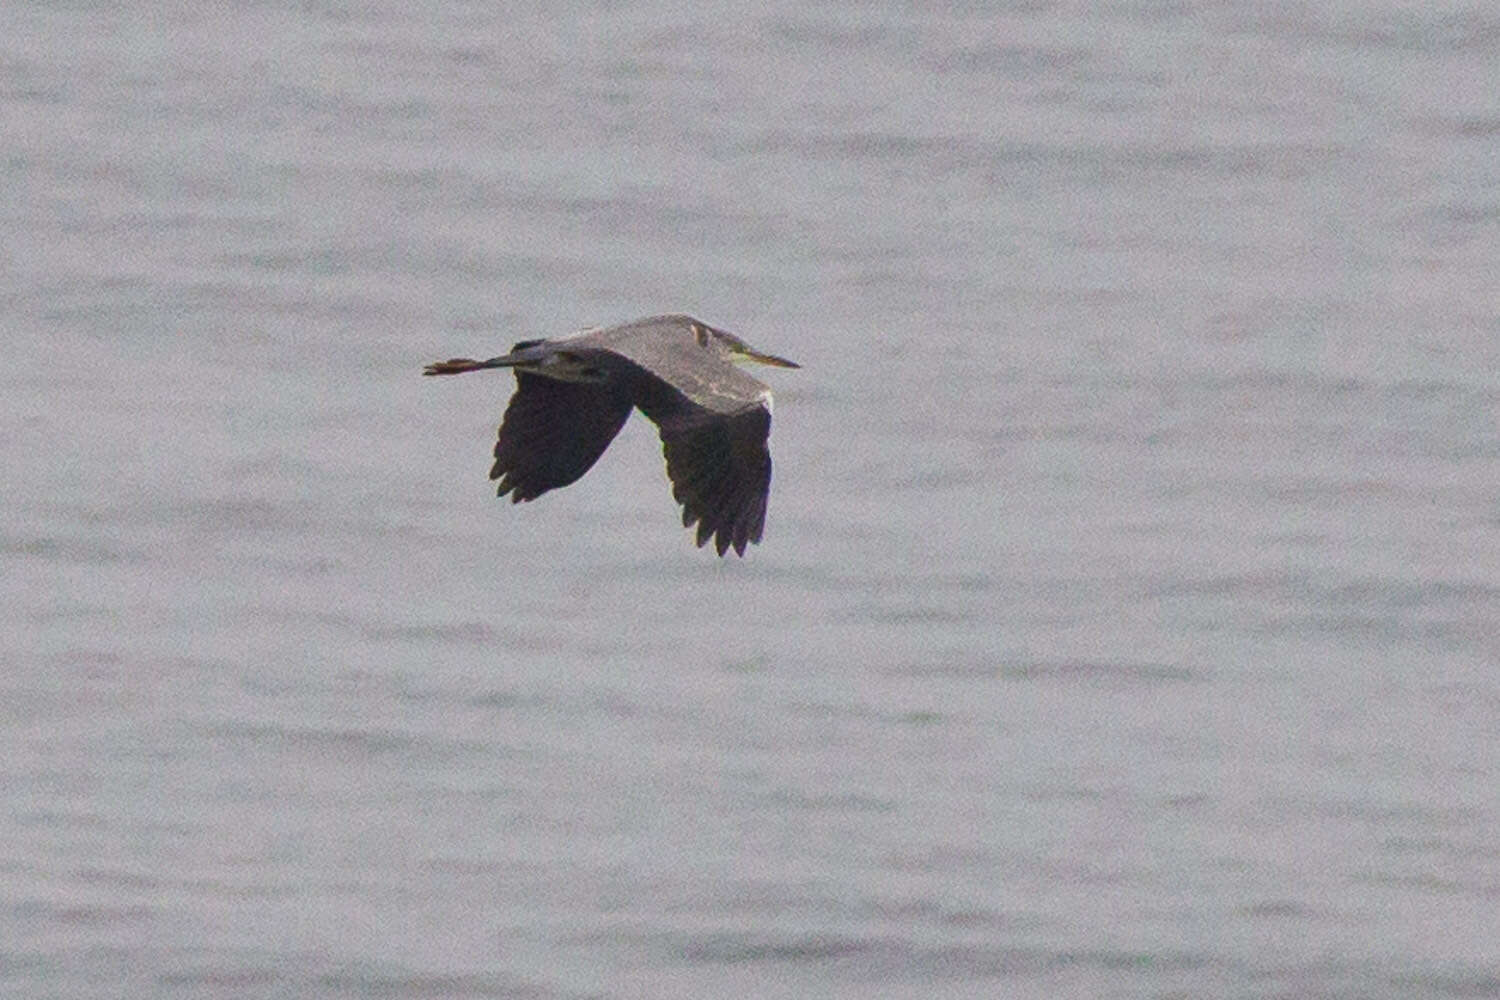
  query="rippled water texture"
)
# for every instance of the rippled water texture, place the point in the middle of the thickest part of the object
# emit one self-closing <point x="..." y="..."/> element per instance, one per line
<point x="1128" y="618"/>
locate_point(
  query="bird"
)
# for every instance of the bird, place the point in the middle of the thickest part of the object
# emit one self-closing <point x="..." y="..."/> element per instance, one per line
<point x="574" y="393"/>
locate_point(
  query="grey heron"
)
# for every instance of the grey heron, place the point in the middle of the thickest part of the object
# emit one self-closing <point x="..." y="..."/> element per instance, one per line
<point x="573" y="395"/>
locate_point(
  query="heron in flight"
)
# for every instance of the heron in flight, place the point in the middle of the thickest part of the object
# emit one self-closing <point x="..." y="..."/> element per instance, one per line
<point x="573" y="395"/>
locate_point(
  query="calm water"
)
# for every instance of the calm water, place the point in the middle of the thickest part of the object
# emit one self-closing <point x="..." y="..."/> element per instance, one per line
<point x="1128" y="619"/>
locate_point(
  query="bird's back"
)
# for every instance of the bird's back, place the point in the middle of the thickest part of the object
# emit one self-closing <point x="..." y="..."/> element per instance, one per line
<point x="669" y="348"/>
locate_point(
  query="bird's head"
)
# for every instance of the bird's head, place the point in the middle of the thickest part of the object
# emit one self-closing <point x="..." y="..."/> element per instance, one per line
<point x="736" y="349"/>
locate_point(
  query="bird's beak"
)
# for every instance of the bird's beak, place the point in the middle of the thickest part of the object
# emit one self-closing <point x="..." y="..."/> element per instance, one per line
<point x="771" y="359"/>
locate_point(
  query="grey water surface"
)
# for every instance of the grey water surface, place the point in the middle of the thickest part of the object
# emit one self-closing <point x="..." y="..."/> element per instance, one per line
<point x="1128" y="618"/>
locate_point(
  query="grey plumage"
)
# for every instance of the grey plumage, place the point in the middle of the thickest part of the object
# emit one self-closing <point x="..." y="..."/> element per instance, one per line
<point x="574" y="393"/>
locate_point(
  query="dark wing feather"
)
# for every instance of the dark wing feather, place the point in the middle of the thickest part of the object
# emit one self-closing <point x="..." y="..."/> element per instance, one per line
<point x="720" y="471"/>
<point x="554" y="432"/>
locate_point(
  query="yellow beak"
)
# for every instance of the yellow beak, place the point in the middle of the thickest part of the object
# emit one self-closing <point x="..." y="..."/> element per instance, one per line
<point x="770" y="359"/>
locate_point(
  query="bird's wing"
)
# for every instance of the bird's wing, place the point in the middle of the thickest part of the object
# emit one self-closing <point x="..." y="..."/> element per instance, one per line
<point x="720" y="470"/>
<point x="554" y="432"/>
